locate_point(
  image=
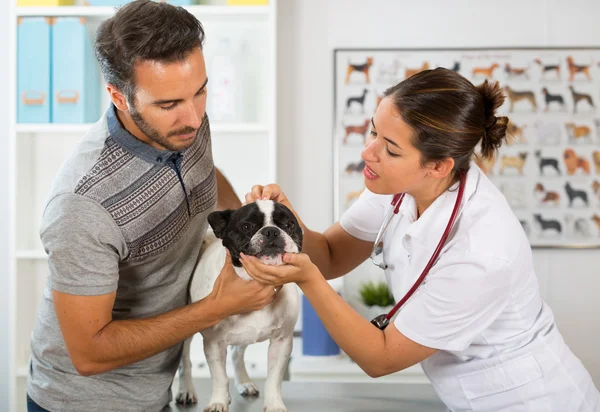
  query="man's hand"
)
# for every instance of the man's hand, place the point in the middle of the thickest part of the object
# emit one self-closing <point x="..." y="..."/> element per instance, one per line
<point x="233" y="295"/>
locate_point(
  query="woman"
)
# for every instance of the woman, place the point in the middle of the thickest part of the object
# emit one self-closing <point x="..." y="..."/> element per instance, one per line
<point x="477" y="324"/>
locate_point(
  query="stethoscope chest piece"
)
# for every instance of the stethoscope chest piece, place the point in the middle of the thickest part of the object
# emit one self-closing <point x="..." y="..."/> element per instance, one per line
<point x="381" y="321"/>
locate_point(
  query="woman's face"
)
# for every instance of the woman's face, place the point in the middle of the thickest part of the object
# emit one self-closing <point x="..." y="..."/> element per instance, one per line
<point x="393" y="164"/>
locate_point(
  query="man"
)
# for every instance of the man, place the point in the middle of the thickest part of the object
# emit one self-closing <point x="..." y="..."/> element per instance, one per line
<point x="124" y="224"/>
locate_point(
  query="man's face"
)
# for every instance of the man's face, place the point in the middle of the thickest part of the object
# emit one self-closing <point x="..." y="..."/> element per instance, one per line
<point x="170" y="101"/>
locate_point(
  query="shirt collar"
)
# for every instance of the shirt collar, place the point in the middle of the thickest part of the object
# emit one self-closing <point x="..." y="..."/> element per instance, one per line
<point x="429" y="228"/>
<point x="131" y="143"/>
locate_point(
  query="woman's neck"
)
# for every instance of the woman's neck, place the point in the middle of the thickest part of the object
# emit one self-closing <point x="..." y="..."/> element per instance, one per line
<point x="426" y="197"/>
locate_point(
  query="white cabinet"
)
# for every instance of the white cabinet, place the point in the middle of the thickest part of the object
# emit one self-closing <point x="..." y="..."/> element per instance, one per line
<point x="244" y="146"/>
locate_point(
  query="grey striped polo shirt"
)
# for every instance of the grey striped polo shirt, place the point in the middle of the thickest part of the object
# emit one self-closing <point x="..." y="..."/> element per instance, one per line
<point x="121" y="216"/>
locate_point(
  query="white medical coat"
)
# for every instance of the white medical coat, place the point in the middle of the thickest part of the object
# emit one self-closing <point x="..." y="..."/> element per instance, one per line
<point x="480" y="305"/>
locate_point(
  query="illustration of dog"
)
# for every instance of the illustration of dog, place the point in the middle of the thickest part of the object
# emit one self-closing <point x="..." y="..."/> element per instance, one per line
<point x="355" y="167"/>
<point x="487" y="72"/>
<point x="574" y="194"/>
<point x="514" y="194"/>
<point x="574" y="162"/>
<point x="389" y="71"/>
<point x="267" y="230"/>
<point x="551" y="98"/>
<point x="352" y="196"/>
<point x="596" y="188"/>
<point x="581" y="97"/>
<point x="547" y="133"/>
<point x="485" y="164"/>
<point x="516" y="96"/>
<point x="359" y="68"/>
<point x="456" y="67"/>
<point x="410" y="72"/>
<point x="576" y="68"/>
<point x="579" y="226"/>
<point x="578" y="133"/>
<point x="516" y="72"/>
<point x="546" y="162"/>
<point x="547" y="224"/>
<point x="515" y="134"/>
<point x="516" y="162"/>
<point x="362" y="130"/>
<point x="596" y="220"/>
<point x="546" y="197"/>
<point x="596" y="157"/>
<point x="548" y="68"/>
<point x="360" y="100"/>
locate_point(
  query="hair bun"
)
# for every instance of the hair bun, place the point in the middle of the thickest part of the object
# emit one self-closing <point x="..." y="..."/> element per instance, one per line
<point x="494" y="133"/>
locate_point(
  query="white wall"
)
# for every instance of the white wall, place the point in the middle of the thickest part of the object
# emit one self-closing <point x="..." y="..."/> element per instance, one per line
<point x="309" y="30"/>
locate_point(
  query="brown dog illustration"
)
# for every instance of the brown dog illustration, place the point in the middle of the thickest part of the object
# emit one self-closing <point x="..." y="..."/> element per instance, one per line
<point x="574" y="162"/>
<point x="546" y="197"/>
<point x="361" y="68"/>
<point x="516" y="71"/>
<point x="515" y="134"/>
<point x="362" y="129"/>
<point x="578" y="133"/>
<point x="516" y="96"/>
<point x="488" y="72"/>
<point x="596" y="188"/>
<point x="576" y="68"/>
<point x="410" y="72"/>
<point x="516" y="162"/>
<point x="352" y="196"/>
<point x="596" y="220"/>
<point x="596" y="157"/>
<point x="547" y="68"/>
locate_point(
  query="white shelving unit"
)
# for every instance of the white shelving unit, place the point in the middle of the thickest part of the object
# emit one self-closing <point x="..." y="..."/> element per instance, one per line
<point x="36" y="152"/>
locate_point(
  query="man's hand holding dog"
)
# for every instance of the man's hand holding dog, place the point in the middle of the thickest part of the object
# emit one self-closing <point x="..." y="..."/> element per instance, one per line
<point x="233" y="295"/>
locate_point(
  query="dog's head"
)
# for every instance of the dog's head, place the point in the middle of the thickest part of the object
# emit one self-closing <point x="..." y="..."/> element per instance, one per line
<point x="265" y="229"/>
<point x="569" y="154"/>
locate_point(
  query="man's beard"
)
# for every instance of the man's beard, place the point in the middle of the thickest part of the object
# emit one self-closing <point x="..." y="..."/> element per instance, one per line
<point x="155" y="135"/>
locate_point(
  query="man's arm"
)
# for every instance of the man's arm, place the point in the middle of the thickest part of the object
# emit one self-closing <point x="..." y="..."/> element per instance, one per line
<point x="96" y="343"/>
<point x="226" y="197"/>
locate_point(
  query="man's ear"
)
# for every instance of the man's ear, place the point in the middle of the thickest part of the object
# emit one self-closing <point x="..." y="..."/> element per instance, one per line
<point x="219" y="221"/>
<point x="117" y="98"/>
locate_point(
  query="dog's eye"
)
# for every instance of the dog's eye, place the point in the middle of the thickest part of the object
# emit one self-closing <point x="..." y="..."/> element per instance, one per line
<point x="290" y="225"/>
<point x="246" y="227"/>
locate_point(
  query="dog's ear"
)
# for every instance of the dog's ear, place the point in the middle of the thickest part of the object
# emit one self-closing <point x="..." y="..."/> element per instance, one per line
<point x="218" y="221"/>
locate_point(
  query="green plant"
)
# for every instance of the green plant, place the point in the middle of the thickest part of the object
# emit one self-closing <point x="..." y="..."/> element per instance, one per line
<point x="376" y="294"/>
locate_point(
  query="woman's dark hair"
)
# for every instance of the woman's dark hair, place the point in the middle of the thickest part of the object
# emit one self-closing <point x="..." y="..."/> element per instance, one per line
<point x="144" y="30"/>
<point x="450" y="115"/>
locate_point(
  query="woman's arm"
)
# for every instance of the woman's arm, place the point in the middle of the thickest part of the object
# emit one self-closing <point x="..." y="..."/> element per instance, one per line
<point x="377" y="352"/>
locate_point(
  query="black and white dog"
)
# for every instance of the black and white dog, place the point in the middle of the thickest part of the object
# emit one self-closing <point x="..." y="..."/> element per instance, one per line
<point x="267" y="230"/>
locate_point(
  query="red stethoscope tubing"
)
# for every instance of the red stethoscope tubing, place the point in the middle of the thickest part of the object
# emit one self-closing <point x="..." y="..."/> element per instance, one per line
<point x="396" y="201"/>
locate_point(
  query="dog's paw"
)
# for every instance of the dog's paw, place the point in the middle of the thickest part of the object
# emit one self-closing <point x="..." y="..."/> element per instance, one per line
<point x="248" y="389"/>
<point x="216" y="407"/>
<point x="186" y="397"/>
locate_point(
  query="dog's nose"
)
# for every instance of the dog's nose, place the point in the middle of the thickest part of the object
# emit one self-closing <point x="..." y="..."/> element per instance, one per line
<point x="270" y="233"/>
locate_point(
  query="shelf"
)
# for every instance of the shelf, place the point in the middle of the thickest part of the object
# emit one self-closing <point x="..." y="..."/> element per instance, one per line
<point x="31" y="255"/>
<point x="103" y="12"/>
<point x="84" y="127"/>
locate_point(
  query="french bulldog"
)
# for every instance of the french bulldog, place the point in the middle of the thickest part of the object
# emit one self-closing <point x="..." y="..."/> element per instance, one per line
<point x="265" y="229"/>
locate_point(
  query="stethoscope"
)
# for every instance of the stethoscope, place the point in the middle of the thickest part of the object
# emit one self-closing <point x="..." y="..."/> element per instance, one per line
<point x="382" y="321"/>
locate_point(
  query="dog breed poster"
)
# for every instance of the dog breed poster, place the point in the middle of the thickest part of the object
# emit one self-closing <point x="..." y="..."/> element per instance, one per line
<point x="549" y="169"/>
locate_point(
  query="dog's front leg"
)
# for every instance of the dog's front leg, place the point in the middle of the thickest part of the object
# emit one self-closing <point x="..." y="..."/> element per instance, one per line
<point x="186" y="394"/>
<point x="216" y="356"/>
<point x="243" y="383"/>
<point x="279" y="354"/>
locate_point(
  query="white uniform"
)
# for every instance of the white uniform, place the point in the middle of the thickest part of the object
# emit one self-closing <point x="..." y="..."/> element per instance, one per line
<point x="480" y="305"/>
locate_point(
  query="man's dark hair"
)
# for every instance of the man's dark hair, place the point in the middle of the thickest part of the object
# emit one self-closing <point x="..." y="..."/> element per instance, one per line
<point x="144" y="30"/>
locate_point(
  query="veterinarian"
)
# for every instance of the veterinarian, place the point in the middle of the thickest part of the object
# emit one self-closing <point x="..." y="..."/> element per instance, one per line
<point x="477" y="324"/>
<point x="124" y="224"/>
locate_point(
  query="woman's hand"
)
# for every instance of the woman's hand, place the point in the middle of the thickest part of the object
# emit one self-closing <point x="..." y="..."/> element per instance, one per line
<point x="298" y="269"/>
